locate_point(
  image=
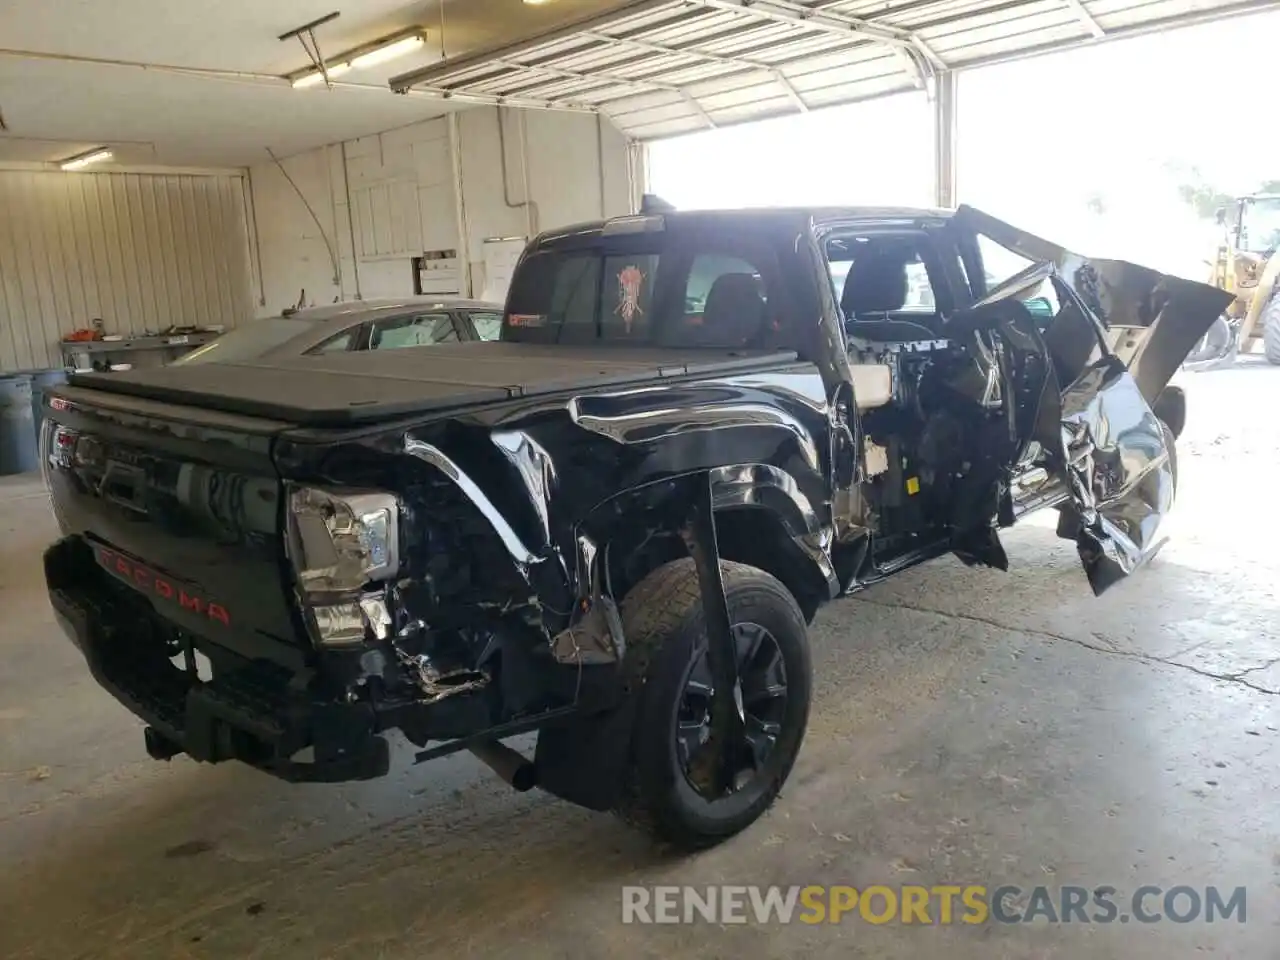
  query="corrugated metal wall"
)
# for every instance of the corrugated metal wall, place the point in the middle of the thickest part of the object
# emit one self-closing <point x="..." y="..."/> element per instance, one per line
<point x="140" y="251"/>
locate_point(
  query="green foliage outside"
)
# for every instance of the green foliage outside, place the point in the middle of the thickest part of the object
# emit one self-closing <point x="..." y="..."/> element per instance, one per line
<point x="1203" y="197"/>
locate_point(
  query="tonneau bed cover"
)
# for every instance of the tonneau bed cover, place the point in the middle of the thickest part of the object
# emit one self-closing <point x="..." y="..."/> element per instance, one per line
<point x="352" y="388"/>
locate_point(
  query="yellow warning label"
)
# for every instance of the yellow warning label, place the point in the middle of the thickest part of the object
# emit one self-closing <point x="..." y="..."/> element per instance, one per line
<point x="913" y="485"/>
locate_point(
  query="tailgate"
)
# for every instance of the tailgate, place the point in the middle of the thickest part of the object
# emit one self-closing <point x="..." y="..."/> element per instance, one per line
<point x="181" y="504"/>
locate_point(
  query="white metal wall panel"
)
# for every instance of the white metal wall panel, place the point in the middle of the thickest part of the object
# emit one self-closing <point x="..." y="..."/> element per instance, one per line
<point x="141" y="252"/>
<point x="402" y="191"/>
<point x="560" y="168"/>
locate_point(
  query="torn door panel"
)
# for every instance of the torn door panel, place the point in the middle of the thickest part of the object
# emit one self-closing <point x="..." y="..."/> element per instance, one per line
<point x="1167" y="314"/>
<point x="1108" y="447"/>
<point x="1118" y="472"/>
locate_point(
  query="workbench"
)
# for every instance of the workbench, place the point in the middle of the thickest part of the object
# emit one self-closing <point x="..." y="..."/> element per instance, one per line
<point x="80" y="354"/>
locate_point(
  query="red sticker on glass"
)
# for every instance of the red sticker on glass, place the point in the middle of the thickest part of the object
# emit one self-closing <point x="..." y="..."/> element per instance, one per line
<point x="527" y="319"/>
<point x="630" y="282"/>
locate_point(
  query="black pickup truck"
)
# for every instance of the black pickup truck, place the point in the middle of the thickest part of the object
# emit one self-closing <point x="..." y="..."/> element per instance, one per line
<point x="613" y="525"/>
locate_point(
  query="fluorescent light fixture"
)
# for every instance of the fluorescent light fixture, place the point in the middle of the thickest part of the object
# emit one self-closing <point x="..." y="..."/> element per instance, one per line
<point x="82" y="161"/>
<point x="389" y="51"/>
<point x="536" y="3"/>
<point x="316" y="77"/>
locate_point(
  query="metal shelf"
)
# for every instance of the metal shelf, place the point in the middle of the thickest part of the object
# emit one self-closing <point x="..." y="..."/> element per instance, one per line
<point x="131" y="344"/>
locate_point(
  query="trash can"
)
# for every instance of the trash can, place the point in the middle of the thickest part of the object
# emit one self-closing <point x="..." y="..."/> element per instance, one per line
<point x="17" y="432"/>
<point x="41" y="381"/>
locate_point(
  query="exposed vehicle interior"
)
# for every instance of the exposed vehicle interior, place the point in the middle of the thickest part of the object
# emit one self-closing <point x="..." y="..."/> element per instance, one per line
<point x="884" y="285"/>
<point x="946" y="399"/>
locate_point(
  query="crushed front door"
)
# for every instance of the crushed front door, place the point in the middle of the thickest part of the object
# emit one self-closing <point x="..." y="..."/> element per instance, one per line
<point x="1092" y="423"/>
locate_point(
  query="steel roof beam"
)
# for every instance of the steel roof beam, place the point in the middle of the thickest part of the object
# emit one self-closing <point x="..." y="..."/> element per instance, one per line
<point x="601" y="76"/>
<point x="917" y="41"/>
<point x="820" y="18"/>
<point x="919" y="61"/>
<point x="658" y="48"/>
<point x="792" y="93"/>
<point x="439" y="72"/>
<point x="1084" y="16"/>
<point x="771" y="70"/>
<point x="594" y="76"/>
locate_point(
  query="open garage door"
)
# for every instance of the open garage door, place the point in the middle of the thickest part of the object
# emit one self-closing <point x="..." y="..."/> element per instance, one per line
<point x="659" y="68"/>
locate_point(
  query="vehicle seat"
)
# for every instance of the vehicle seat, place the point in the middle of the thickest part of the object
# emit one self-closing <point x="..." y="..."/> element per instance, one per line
<point x="876" y="286"/>
<point x="734" y="314"/>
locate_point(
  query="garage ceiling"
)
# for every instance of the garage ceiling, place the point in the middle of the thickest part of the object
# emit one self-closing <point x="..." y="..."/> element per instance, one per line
<point x="659" y="68"/>
<point x="165" y="82"/>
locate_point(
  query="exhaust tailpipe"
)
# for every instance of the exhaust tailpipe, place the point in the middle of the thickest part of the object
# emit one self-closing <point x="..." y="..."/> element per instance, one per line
<point x="511" y="765"/>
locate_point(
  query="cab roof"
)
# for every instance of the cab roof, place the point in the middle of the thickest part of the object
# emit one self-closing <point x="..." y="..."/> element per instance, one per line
<point x="373" y="307"/>
<point x="763" y="218"/>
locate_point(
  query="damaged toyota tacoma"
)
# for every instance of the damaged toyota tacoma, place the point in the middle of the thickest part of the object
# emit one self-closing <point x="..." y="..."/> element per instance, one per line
<point x="613" y="525"/>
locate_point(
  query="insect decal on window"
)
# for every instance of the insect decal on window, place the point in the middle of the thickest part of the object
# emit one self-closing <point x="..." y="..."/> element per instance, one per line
<point x="630" y="279"/>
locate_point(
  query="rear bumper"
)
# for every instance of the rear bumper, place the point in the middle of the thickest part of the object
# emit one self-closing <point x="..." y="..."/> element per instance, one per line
<point x="253" y="711"/>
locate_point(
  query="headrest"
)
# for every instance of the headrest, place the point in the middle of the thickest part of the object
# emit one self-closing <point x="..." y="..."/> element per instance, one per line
<point x="734" y="311"/>
<point x="877" y="281"/>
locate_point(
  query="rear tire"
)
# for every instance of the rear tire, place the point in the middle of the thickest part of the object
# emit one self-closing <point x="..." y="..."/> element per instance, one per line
<point x="1270" y="320"/>
<point x="663" y="624"/>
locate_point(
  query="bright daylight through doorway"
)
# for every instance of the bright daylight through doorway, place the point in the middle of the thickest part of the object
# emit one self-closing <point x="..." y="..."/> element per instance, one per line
<point x="1071" y="146"/>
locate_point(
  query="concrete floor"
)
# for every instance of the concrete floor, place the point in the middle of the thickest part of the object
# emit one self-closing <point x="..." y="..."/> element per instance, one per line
<point x="969" y="726"/>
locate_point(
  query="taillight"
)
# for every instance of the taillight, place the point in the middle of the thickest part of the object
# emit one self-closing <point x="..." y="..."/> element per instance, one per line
<point x="342" y="543"/>
<point x="57" y="448"/>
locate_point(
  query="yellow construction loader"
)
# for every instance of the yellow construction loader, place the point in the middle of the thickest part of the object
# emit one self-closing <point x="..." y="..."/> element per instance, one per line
<point x="1247" y="265"/>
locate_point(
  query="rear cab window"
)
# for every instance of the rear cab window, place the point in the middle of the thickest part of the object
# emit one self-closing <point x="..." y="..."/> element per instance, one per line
<point x="695" y="285"/>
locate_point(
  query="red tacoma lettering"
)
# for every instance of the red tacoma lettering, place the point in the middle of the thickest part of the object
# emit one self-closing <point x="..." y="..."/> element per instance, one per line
<point x="147" y="579"/>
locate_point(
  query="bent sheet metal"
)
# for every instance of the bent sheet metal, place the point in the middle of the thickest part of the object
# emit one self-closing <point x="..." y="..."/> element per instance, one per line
<point x="1103" y="440"/>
